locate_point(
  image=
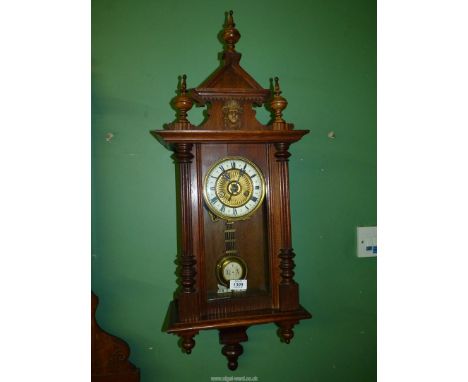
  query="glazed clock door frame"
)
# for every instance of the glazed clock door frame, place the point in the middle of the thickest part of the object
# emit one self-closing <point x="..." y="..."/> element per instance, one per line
<point x="254" y="298"/>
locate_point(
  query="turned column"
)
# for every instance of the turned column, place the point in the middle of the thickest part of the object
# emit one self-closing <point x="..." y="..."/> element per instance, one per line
<point x="187" y="296"/>
<point x="288" y="288"/>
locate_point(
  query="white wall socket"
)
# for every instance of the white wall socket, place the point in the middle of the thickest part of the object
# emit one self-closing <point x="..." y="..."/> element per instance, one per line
<point x="367" y="241"/>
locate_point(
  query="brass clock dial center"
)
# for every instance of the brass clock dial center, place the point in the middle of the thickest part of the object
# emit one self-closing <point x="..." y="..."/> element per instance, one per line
<point x="234" y="188"/>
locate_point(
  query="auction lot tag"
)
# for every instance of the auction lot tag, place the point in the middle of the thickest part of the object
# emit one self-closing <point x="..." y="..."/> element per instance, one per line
<point x="238" y="284"/>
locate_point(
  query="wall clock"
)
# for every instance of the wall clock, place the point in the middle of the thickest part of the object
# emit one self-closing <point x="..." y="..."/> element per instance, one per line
<point x="236" y="258"/>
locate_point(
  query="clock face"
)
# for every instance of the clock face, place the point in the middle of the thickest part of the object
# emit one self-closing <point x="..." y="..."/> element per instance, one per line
<point x="234" y="188"/>
<point x="231" y="268"/>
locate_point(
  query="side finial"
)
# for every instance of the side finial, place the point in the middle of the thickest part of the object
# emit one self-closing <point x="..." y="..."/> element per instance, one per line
<point x="183" y="103"/>
<point x="230" y="19"/>
<point x="183" y="84"/>
<point x="230" y="34"/>
<point x="277" y="90"/>
<point x="278" y="104"/>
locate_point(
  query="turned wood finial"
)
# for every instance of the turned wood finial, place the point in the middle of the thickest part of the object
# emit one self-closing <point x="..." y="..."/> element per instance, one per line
<point x="286" y="331"/>
<point x="188" y="343"/>
<point x="230" y="34"/>
<point x="183" y="84"/>
<point x="183" y="103"/>
<point x="278" y="103"/>
<point x="277" y="87"/>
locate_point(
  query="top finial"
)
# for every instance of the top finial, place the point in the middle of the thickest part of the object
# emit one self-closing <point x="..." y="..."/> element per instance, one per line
<point x="230" y="34"/>
<point x="230" y="20"/>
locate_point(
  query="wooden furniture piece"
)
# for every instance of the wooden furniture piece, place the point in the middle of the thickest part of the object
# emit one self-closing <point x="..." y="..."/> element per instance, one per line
<point x="109" y="354"/>
<point x="233" y="209"/>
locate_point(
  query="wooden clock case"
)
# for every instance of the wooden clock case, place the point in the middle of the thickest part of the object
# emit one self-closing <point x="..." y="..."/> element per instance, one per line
<point x="264" y="240"/>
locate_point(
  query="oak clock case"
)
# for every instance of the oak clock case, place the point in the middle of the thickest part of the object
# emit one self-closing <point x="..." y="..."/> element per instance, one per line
<point x="234" y="209"/>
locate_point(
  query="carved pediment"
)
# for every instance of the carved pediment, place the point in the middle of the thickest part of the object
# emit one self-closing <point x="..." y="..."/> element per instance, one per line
<point x="231" y="80"/>
<point x="230" y="94"/>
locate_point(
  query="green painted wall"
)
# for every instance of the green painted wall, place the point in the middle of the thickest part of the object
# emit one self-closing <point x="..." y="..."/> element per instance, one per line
<point x="325" y="55"/>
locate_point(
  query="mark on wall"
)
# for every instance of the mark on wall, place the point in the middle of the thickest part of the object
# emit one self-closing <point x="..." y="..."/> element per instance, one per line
<point x="109" y="137"/>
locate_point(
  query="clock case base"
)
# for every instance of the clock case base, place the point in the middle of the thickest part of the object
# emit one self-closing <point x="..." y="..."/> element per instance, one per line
<point x="233" y="328"/>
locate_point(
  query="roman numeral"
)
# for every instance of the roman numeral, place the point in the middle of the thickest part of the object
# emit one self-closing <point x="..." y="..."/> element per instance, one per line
<point x="242" y="171"/>
<point x="233" y="164"/>
<point x="223" y="207"/>
<point x="257" y="187"/>
<point x="214" y="200"/>
<point x="222" y="168"/>
<point x="254" y="199"/>
<point x="234" y="211"/>
<point x="253" y="176"/>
